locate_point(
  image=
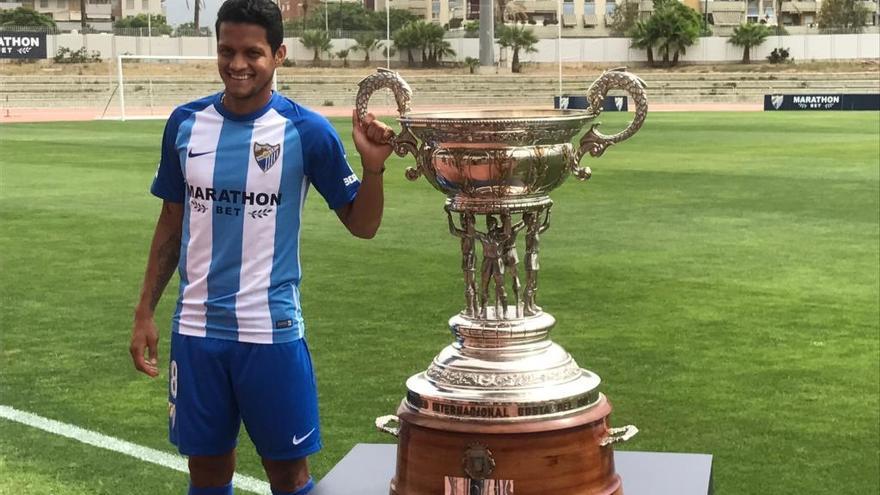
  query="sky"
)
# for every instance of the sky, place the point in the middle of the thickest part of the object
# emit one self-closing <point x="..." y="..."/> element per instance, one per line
<point x="178" y="12"/>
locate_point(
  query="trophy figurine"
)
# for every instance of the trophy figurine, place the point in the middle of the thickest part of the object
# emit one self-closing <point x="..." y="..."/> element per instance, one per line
<point x="503" y="409"/>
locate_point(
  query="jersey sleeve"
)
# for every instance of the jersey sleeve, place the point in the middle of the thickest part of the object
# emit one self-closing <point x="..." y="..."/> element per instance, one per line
<point x="169" y="183"/>
<point x="326" y="164"/>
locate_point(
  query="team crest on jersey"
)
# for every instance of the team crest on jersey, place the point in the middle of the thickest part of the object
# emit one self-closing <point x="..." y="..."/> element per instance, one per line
<point x="266" y="155"/>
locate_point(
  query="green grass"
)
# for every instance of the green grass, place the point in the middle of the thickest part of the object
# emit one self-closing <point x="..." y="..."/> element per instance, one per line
<point x="720" y="273"/>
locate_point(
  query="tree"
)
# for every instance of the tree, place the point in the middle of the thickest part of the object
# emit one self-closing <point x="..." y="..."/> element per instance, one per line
<point x="430" y="38"/>
<point x="673" y="27"/>
<point x="366" y="43"/>
<point x="198" y="5"/>
<point x="748" y="36"/>
<point x="844" y="15"/>
<point x="437" y="49"/>
<point x="189" y="29"/>
<point x="517" y="37"/>
<point x="624" y="17"/>
<point x="643" y="37"/>
<point x="25" y="17"/>
<point x="157" y="23"/>
<point x="353" y="16"/>
<point x="407" y="38"/>
<point x="471" y="63"/>
<point x="319" y="41"/>
<point x="343" y="55"/>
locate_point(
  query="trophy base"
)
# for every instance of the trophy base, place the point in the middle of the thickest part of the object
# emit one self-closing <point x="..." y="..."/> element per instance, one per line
<point x="443" y="456"/>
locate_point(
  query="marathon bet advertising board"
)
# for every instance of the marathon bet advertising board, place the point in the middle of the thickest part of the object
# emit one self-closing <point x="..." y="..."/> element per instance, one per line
<point x="822" y="102"/>
<point x="22" y="45"/>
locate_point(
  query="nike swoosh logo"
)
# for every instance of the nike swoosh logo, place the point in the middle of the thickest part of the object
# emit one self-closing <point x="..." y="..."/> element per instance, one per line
<point x="193" y="155"/>
<point x="297" y="441"/>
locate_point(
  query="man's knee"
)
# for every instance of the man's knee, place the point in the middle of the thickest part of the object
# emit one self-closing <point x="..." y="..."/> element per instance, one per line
<point x="212" y="471"/>
<point x="288" y="476"/>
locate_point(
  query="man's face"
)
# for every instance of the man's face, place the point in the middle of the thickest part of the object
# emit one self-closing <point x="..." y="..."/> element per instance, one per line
<point x="245" y="61"/>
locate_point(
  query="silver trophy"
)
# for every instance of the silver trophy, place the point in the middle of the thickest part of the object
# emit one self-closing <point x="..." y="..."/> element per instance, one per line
<point x="503" y="409"/>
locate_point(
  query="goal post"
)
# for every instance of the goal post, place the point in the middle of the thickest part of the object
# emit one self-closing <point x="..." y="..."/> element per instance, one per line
<point x="201" y="84"/>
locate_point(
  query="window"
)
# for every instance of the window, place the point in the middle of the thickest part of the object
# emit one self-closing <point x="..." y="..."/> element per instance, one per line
<point x="568" y="7"/>
<point x="145" y="5"/>
<point x="435" y="9"/>
<point x="44" y="4"/>
<point x="610" y="7"/>
<point x="753" y="9"/>
<point x="129" y="4"/>
<point x="589" y="8"/>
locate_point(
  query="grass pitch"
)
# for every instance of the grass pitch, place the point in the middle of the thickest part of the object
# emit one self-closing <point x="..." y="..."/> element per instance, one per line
<point x="720" y="273"/>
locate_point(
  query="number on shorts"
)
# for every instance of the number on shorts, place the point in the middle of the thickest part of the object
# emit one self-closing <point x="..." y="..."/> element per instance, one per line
<point x="172" y="380"/>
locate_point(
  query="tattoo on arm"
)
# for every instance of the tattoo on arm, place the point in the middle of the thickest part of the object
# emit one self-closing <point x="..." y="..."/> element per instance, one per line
<point x="168" y="255"/>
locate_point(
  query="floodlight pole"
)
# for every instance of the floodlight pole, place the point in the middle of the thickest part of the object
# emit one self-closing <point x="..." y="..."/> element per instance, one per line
<point x="559" y="43"/>
<point x="387" y="34"/>
<point x="487" y="33"/>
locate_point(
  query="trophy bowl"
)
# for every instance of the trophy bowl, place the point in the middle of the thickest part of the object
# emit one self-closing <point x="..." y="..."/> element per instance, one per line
<point x="512" y="157"/>
<point x="503" y="409"/>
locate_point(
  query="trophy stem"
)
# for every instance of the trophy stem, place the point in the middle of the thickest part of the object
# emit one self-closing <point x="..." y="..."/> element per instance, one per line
<point x="500" y="262"/>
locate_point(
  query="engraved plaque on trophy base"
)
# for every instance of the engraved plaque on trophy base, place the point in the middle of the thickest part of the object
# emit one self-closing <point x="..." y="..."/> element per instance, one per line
<point x="559" y="456"/>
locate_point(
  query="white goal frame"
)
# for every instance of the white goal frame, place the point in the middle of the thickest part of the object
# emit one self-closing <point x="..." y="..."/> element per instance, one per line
<point x="121" y="80"/>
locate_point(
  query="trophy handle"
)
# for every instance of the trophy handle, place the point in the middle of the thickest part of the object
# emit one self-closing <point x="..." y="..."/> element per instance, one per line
<point x="594" y="142"/>
<point x="405" y="142"/>
<point x="383" y="421"/>
<point x="618" y="435"/>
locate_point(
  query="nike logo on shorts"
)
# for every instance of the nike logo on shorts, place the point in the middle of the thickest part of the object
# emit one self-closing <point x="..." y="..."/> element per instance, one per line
<point x="193" y="155"/>
<point x="297" y="441"/>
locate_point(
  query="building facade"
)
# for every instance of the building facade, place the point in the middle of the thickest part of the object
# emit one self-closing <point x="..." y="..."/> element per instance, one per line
<point x="98" y="12"/>
<point x="594" y="17"/>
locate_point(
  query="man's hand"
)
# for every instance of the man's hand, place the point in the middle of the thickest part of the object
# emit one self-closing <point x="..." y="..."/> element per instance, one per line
<point x="371" y="140"/>
<point x="145" y="337"/>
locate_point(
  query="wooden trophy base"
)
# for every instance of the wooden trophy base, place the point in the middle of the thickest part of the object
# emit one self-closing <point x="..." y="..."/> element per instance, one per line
<point x="439" y="456"/>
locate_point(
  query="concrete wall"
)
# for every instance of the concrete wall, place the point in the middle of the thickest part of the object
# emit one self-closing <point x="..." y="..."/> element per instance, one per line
<point x="600" y="50"/>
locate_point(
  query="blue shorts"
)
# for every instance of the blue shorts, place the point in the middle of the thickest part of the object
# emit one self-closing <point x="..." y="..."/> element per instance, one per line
<point x="214" y="385"/>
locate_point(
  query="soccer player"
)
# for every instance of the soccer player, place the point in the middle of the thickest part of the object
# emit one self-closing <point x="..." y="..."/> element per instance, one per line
<point x="233" y="175"/>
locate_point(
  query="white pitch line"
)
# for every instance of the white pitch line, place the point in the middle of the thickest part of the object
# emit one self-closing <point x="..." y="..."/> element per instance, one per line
<point x="96" y="439"/>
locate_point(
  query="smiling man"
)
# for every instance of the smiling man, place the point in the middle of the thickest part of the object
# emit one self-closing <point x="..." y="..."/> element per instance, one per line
<point x="233" y="176"/>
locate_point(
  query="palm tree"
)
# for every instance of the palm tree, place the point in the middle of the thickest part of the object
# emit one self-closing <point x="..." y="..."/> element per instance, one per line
<point x="471" y="63"/>
<point x="430" y="37"/>
<point x="642" y="37"/>
<point x="407" y="38"/>
<point x="198" y="5"/>
<point x="437" y="49"/>
<point x="343" y="54"/>
<point x="319" y="41"/>
<point x="674" y="27"/>
<point x="517" y="38"/>
<point x="366" y="43"/>
<point x="747" y="36"/>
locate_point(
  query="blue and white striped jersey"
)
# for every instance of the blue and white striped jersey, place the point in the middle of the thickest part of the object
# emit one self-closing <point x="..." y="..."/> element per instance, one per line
<point x="243" y="179"/>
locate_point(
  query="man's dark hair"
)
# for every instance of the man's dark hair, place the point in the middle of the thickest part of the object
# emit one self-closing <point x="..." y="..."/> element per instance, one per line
<point x="263" y="13"/>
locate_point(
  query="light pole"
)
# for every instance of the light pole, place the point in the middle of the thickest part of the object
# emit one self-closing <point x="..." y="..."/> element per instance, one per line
<point x="388" y="34"/>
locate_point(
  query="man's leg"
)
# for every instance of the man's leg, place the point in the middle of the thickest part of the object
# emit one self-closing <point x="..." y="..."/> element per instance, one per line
<point x="288" y="477"/>
<point x="203" y="417"/>
<point x="211" y="475"/>
<point x="276" y="390"/>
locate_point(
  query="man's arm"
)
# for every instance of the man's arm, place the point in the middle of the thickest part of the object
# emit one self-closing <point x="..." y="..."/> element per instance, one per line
<point x="364" y="214"/>
<point x="164" y="254"/>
